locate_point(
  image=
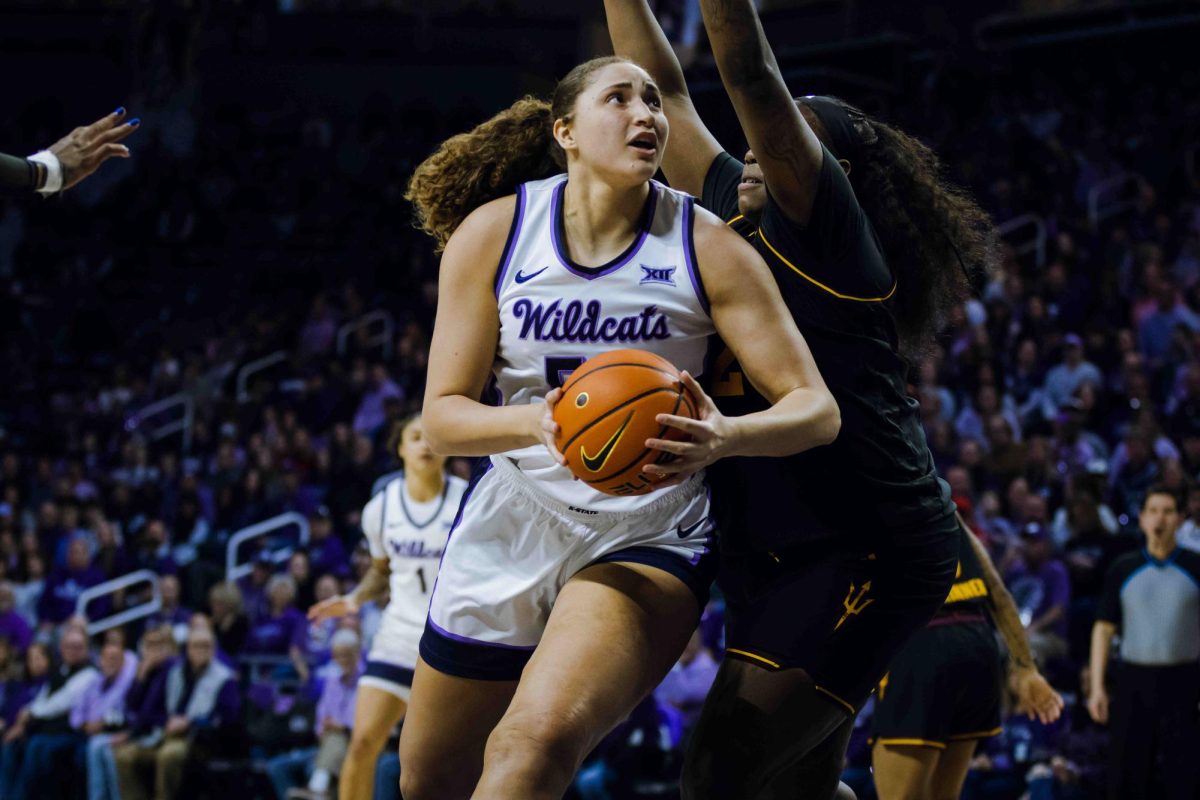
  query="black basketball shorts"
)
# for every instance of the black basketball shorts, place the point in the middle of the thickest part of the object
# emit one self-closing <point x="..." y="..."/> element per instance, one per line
<point x="943" y="687"/>
<point x="838" y="611"/>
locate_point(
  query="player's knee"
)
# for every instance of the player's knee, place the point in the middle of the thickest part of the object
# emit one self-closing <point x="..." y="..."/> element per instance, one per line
<point x="538" y="740"/>
<point x="365" y="748"/>
<point x="427" y="779"/>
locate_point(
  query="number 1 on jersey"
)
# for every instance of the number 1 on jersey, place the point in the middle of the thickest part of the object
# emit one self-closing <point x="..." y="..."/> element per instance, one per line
<point x="421" y="578"/>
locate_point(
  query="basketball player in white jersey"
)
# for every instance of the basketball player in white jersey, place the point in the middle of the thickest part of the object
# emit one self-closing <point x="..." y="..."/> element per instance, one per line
<point x="406" y="525"/>
<point x="558" y="608"/>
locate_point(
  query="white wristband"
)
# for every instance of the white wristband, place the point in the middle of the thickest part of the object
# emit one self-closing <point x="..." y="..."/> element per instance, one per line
<point x="54" y="175"/>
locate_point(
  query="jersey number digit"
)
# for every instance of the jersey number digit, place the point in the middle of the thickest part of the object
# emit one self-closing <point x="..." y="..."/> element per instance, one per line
<point x="559" y="368"/>
<point x="728" y="381"/>
<point x="421" y="578"/>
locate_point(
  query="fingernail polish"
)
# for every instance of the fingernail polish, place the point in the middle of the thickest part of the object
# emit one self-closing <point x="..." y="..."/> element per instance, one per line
<point x="133" y="123"/>
<point x="119" y="111"/>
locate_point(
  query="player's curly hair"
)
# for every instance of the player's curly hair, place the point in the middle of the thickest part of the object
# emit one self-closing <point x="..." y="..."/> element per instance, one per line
<point x="490" y="160"/>
<point x="939" y="243"/>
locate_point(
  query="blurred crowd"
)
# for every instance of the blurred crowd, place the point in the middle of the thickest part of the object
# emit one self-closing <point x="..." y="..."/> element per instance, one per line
<point x="1053" y="401"/>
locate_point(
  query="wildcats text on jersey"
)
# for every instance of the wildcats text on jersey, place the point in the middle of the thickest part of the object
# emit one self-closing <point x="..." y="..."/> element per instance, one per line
<point x="413" y="548"/>
<point x="579" y="323"/>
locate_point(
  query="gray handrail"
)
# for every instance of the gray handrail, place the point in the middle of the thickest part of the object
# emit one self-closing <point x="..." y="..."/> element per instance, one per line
<point x="182" y="425"/>
<point x="385" y="337"/>
<point x="253" y="367"/>
<point x="151" y="606"/>
<point x="1096" y="195"/>
<point x="1036" y="245"/>
<point x="234" y="570"/>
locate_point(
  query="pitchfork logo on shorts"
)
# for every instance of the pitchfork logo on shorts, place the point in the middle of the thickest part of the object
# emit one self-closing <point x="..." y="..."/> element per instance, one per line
<point x="856" y="600"/>
<point x="664" y="275"/>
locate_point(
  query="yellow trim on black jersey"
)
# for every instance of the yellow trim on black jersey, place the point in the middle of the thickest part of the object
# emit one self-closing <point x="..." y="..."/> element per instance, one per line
<point x="975" y="735"/>
<point x="735" y="219"/>
<point x="835" y="698"/>
<point x="816" y="282"/>
<point x="913" y="743"/>
<point x="767" y="661"/>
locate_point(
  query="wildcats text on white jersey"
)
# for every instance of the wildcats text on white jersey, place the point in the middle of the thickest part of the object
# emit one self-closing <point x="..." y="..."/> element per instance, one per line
<point x="555" y="313"/>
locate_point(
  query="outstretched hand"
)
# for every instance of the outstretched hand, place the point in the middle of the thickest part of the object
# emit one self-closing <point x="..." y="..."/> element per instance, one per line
<point x="83" y="150"/>
<point x="340" y="606"/>
<point x="710" y="438"/>
<point x="1036" y="698"/>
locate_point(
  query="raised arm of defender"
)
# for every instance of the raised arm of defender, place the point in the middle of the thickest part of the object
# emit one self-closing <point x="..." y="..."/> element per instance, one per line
<point x="636" y="35"/>
<point x="787" y="150"/>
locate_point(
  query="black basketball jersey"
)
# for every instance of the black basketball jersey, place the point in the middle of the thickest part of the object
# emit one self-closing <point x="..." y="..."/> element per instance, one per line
<point x="878" y="477"/>
<point x="969" y="589"/>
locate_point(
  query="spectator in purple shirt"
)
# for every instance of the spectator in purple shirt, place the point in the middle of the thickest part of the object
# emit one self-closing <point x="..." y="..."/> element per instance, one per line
<point x="284" y="630"/>
<point x="688" y="682"/>
<point x="371" y="411"/>
<point x="42" y="732"/>
<point x="318" y="643"/>
<point x="197" y="692"/>
<point x="1041" y="586"/>
<point x="171" y="612"/>
<point x="326" y="553"/>
<point x="253" y="587"/>
<point x="12" y="688"/>
<point x="158" y="650"/>
<point x="65" y="584"/>
<point x="101" y="709"/>
<point x="335" y="718"/>
<point x="13" y="626"/>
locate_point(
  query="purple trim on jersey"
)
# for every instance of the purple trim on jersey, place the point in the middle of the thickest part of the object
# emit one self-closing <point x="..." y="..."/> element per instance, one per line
<point x="591" y="273"/>
<point x="510" y="245"/>
<point x="479" y="642"/>
<point x="689" y="252"/>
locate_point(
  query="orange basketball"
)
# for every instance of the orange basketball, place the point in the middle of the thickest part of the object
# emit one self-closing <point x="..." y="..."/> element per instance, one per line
<point x="607" y="412"/>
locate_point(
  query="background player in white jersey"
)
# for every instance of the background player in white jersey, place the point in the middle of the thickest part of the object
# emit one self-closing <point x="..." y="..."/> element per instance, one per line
<point x="558" y="608"/>
<point x="406" y="525"/>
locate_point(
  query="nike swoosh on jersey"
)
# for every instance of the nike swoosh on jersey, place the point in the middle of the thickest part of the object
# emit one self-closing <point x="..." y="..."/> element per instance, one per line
<point x="596" y="463"/>
<point x="686" y="532"/>
<point x="521" y="277"/>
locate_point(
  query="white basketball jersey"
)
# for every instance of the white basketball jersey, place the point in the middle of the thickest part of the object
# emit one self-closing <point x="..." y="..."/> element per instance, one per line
<point x="555" y="314"/>
<point x="412" y="536"/>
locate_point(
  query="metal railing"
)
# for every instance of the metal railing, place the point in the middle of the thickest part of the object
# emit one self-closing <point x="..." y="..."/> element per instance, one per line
<point x="253" y="368"/>
<point x="113" y="586"/>
<point x="1035" y="244"/>
<point x="385" y="336"/>
<point x="183" y="424"/>
<point x="1104" y="200"/>
<point x="235" y="570"/>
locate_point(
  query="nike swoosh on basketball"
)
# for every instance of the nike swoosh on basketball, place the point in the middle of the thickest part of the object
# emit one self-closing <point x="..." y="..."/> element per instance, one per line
<point x="596" y="463"/>
<point x="521" y="277"/>
<point x="686" y="532"/>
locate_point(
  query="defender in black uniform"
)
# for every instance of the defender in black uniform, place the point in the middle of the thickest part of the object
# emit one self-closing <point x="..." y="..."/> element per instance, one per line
<point x="833" y="559"/>
<point x="943" y="691"/>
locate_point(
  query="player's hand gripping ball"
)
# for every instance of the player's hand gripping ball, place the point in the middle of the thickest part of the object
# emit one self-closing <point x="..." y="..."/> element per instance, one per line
<point x="607" y="412"/>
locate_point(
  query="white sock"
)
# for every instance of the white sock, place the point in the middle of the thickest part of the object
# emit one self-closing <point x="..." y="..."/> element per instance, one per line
<point x="319" y="782"/>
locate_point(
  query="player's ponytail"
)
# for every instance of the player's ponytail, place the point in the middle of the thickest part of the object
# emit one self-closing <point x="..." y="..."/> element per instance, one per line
<point x="489" y="161"/>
